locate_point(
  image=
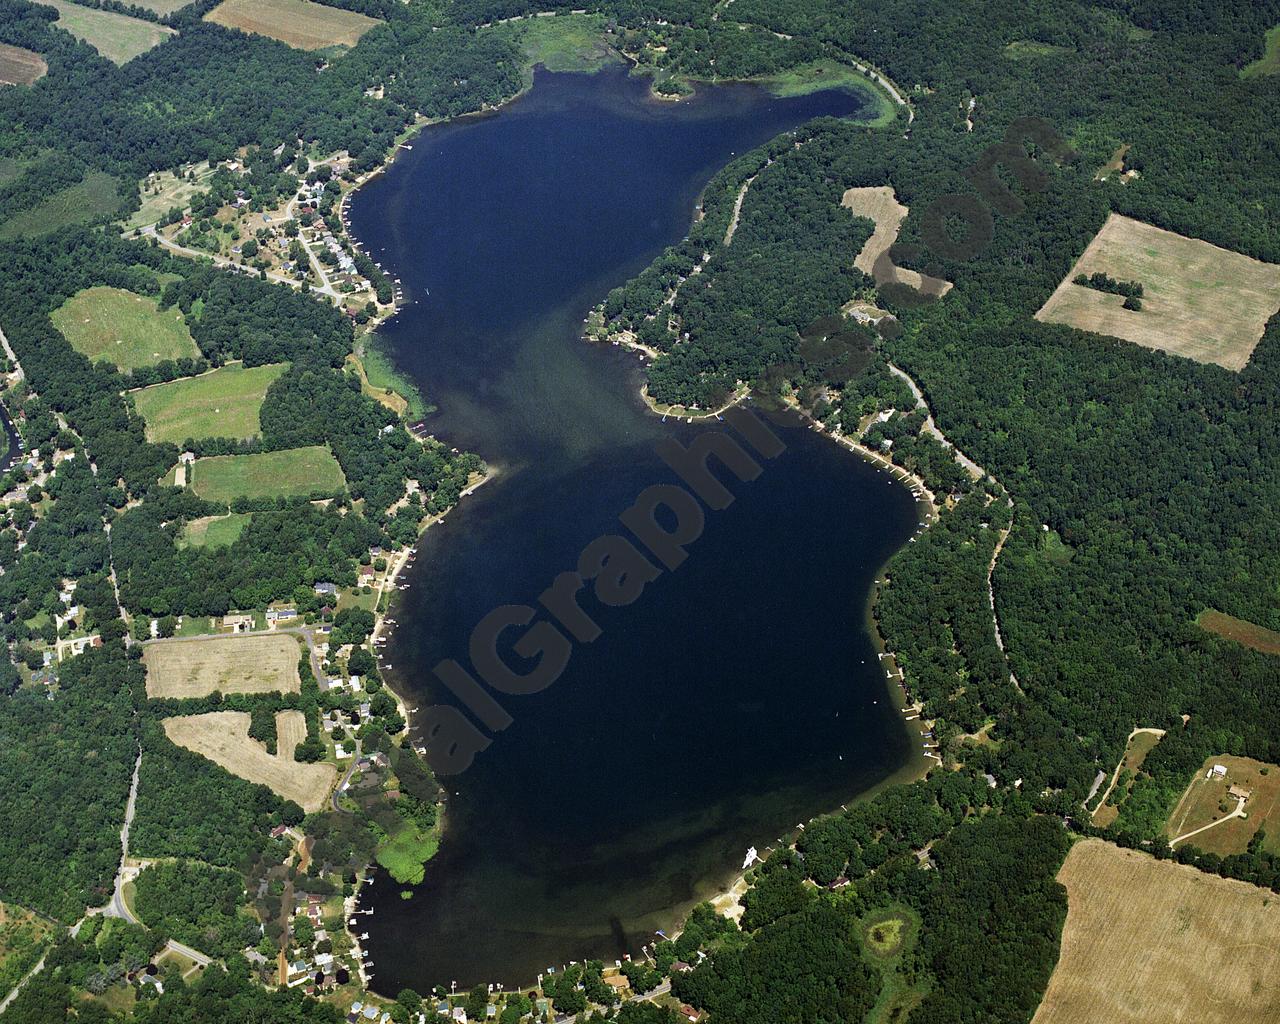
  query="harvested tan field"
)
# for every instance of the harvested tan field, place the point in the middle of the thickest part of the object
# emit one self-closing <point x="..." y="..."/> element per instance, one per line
<point x="881" y="205"/>
<point x="297" y="23"/>
<point x="228" y="664"/>
<point x="291" y="729"/>
<point x="223" y="737"/>
<point x="1199" y="301"/>
<point x="19" y="66"/>
<point x="1153" y="942"/>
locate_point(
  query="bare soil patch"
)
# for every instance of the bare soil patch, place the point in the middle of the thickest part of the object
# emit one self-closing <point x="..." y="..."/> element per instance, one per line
<point x="19" y="66"/>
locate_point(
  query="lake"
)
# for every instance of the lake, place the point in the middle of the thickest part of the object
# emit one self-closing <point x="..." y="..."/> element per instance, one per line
<point x="741" y="694"/>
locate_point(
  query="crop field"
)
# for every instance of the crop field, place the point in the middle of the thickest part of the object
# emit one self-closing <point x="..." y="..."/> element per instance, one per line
<point x="228" y="664"/>
<point x="1148" y="940"/>
<point x="293" y="472"/>
<point x="163" y="7"/>
<point x="223" y="737"/>
<point x="117" y="37"/>
<point x="1207" y="800"/>
<point x="297" y="23"/>
<point x="880" y="205"/>
<point x="1241" y="631"/>
<point x="96" y="197"/>
<point x="123" y="328"/>
<point x="1135" y="753"/>
<point x="1199" y="301"/>
<point x="19" y="66"/>
<point x="215" y="531"/>
<point x="221" y="403"/>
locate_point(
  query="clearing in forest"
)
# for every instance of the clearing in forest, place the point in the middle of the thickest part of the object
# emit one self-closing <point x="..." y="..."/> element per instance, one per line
<point x="291" y="473"/>
<point x="1269" y="62"/>
<point x="1140" y="744"/>
<point x="89" y="200"/>
<point x="880" y="205"/>
<point x="164" y="190"/>
<point x="1149" y="940"/>
<point x="227" y="664"/>
<point x="215" y="531"/>
<point x="162" y="7"/>
<point x="117" y="37"/>
<point x="221" y="403"/>
<point x="1240" y="630"/>
<point x="297" y="23"/>
<point x="123" y="328"/>
<point x="19" y="66"/>
<point x="1198" y="301"/>
<point x="1214" y="797"/>
<point x="223" y="737"/>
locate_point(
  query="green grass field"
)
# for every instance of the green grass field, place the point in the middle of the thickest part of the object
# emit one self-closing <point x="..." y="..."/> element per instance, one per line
<point x="97" y="196"/>
<point x="221" y="403"/>
<point x="163" y="7"/>
<point x="291" y="473"/>
<point x="215" y="531"/>
<point x="123" y="328"/>
<point x="567" y="42"/>
<point x="1269" y="62"/>
<point x="887" y="936"/>
<point x="117" y="37"/>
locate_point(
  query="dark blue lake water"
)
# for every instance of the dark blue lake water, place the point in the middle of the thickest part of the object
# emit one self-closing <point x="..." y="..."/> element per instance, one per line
<point x="740" y="694"/>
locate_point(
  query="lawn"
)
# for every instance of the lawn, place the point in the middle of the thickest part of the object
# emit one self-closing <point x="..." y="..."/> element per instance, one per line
<point x="1240" y="630"/>
<point x="163" y="191"/>
<point x="19" y="66"/>
<point x="297" y="23"/>
<point x="221" y="403"/>
<point x="291" y="473"/>
<point x="117" y="37"/>
<point x="1269" y="62"/>
<point x="1207" y="800"/>
<point x="92" y="199"/>
<point x="225" y="664"/>
<point x="215" y="531"/>
<point x="123" y="328"/>
<point x="1148" y="940"/>
<point x="1198" y="301"/>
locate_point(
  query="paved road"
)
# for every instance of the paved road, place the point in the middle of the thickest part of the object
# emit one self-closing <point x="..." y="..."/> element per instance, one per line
<point x="4" y="1003"/>
<point x="178" y="947"/>
<point x="118" y="907"/>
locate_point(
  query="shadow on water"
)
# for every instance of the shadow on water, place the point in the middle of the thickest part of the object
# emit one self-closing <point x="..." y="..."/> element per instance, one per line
<point x="741" y="693"/>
